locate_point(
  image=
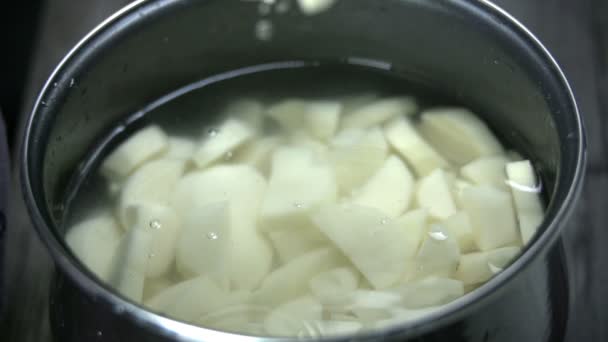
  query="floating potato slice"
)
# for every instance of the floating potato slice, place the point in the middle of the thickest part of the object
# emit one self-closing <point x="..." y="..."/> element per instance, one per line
<point x="180" y="148"/>
<point x="486" y="171"/>
<point x="492" y="217"/>
<point x="399" y="316"/>
<point x="388" y="190"/>
<point x="378" y="112"/>
<point x="356" y="155"/>
<point x="525" y="189"/>
<point x="477" y="268"/>
<point x="428" y="292"/>
<point x="289" y="114"/>
<point x="434" y="194"/>
<point x="298" y="185"/>
<point x="414" y="223"/>
<point x="291" y="279"/>
<point x="301" y="139"/>
<point x="335" y="283"/>
<point x="459" y="226"/>
<point x="458" y="186"/>
<point x="154" y="286"/>
<point x="163" y="225"/>
<point x="294" y="318"/>
<point x="258" y="153"/>
<point x="152" y="183"/>
<point x="222" y="142"/>
<point x="322" y="118"/>
<point x="237" y="318"/>
<point x="458" y="134"/>
<point x="351" y="103"/>
<point x="243" y="188"/>
<point x="142" y="146"/>
<point x="290" y="243"/>
<point x="360" y="232"/>
<point x="401" y="134"/>
<point x="94" y="241"/>
<point x="248" y="111"/>
<point x="438" y="255"/>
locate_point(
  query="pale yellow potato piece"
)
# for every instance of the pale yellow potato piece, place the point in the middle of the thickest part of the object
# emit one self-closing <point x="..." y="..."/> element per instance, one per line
<point x="378" y="112"/>
<point x="388" y="190"/>
<point x="438" y="255"/>
<point x="434" y="194"/>
<point x="459" y="225"/>
<point x="222" y="142"/>
<point x="246" y="318"/>
<point x="414" y="223"/>
<point x="180" y="148"/>
<point x="248" y="111"/>
<point x="322" y="118"/>
<point x="459" y="135"/>
<point x="142" y="146"/>
<point x="428" y="292"/>
<point x="94" y="241"/>
<point x="154" y="286"/>
<point x="525" y="189"/>
<point x="486" y="171"/>
<point x="258" y="153"/>
<point x="293" y="318"/>
<point x="492" y="217"/>
<point x="477" y="268"/>
<point x="334" y="283"/>
<point x="290" y="243"/>
<point x="424" y="159"/>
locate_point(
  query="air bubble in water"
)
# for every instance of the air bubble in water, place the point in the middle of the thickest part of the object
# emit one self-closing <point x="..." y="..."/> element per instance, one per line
<point x="99" y="334"/>
<point x="384" y="221"/>
<point x="72" y="82"/>
<point x="437" y="234"/>
<point x="264" y="30"/>
<point x="212" y="236"/>
<point x="155" y="224"/>
<point x="151" y="255"/>
<point x="212" y="132"/>
<point x="55" y="84"/>
<point x="228" y="155"/>
<point x="298" y="205"/>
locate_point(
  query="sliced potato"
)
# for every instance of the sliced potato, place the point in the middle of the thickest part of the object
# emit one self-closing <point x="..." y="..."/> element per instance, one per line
<point x="361" y="232"/>
<point x="291" y="280"/>
<point x="486" y="171"/>
<point x="428" y="292"/>
<point x="435" y="195"/>
<point x="379" y="112"/>
<point x="94" y="241"/>
<point x="163" y="225"/>
<point x="356" y="155"/>
<point x="414" y="223"/>
<point x="142" y="146"/>
<point x="525" y="190"/>
<point x="389" y="189"/>
<point x="293" y="318"/>
<point x="246" y="318"/>
<point x="334" y="283"/>
<point x="298" y="185"/>
<point x="492" y="217"/>
<point x="460" y="227"/>
<point x="258" y="153"/>
<point x="301" y="139"/>
<point x="289" y="114"/>
<point x="223" y="142"/>
<point x="248" y="111"/>
<point x="477" y="268"/>
<point x="458" y="186"/>
<point x="180" y="148"/>
<point x="290" y="243"/>
<point x="438" y="255"/>
<point x="154" y="286"/>
<point x="322" y="118"/>
<point x="459" y="134"/>
<point x="401" y="134"/>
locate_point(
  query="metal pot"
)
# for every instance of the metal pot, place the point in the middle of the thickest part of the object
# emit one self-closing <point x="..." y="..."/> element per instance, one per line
<point x="467" y="48"/>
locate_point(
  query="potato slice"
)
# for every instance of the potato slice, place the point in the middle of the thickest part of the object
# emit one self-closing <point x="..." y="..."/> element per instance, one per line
<point x="458" y="186"/>
<point x="154" y="286"/>
<point x="438" y="255"/>
<point x="289" y="114"/>
<point x="477" y="268"/>
<point x="243" y="318"/>
<point x="428" y="292"/>
<point x="258" y="153"/>
<point x="356" y="155"/>
<point x="298" y="185"/>
<point x="322" y="118"/>
<point x="334" y="283"/>
<point x="222" y="142"/>
<point x="459" y="134"/>
<point x="389" y="189"/>
<point x="130" y="263"/>
<point x="301" y="139"/>
<point x="290" y="243"/>
<point x="378" y="112"/>
<point x="204" y="246"/>
<point x="525" y="189"/>
<point x="142" y="146"/>
<point x="460" y="227"/>
<point x="153" y="183"/>
<point x="163" y="225"/>
<point x="242" y="187"/>
<point x="486" y="171"/>
<point x="180" y="148"/>
<point x="414" y="223"/>
<point x="294" y="318"/>
<point x="291" y="280"/>
<point x="361" y="232"/>
<point x="492" y="217"/>
<point x="94" y="241"/>
<point x="401" y="134"/>
<point x="248" y="111"/>
<point x="435" y="195"/>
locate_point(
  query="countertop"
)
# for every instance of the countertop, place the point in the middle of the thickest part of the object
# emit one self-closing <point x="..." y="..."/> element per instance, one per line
<point x="575" y="31"/>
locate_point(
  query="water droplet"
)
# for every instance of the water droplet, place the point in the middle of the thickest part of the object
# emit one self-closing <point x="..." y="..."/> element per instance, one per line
<point x="151" y="255"/>
<point x="264" y="8"/>
<point x="99" y="334"/>
<point x="494" y="269"/>
<point x="496" y="61"/>
<point x="438" y="234"/>
<point x="155" y="224"/>
<point x="264" y="30"/>
<point x="298" y="205"/>
<point x="72" y="82"/>
<point x="43" y="103"/>
<point x="212" y="132"/>
<point x="55" y="84"/>
<point x="384" y="221"/>
<point x="228" y="155"/>
<point x="212" y="236"/>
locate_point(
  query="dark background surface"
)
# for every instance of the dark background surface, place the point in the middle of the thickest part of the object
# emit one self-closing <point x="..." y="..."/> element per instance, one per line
<point x="35" y="36"/>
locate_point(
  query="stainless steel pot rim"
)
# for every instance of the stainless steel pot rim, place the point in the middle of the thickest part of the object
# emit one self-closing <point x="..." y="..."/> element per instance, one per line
<point x="186" y="332"/>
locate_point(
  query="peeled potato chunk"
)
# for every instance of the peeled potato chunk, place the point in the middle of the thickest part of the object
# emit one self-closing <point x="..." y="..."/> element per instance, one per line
<point x="459" y="135"/>
<point x="328" y="285"/>
<point x="459" y="225"/>
<point x="477" y="268"/>
<point x="439" y="253"/>
<point x="525" y="190"/>
<point x="292" y="318"/>
<point x="298" y="185"/>
<point x="379" y="112"/>
<point x="356" y="155"/>
<point x="242" y="187"/>
<point x="248" y="111"/>
<point x="414" y="223"/>
<point x="237" y="318"/>
<point x="322" y="118"/>
<point x="486" y="171"/>
<point x="144" y="145"/>
<point x="180" y="148"/>
<point x="153" y="183"/>
<point x="492" y="217"/>
<point x="163" y="225"/>
<point x="258" y="153"/>
<point x="221" y="142"/>
<point x="289" y="243"/>
<point x="389" y="189"/>
<point x="431" y="291"/>
<point x="434" y="194"/>
<point x="93" y="241"/>
<point x="374" y="243"/>
<point x="423" y="158"/>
